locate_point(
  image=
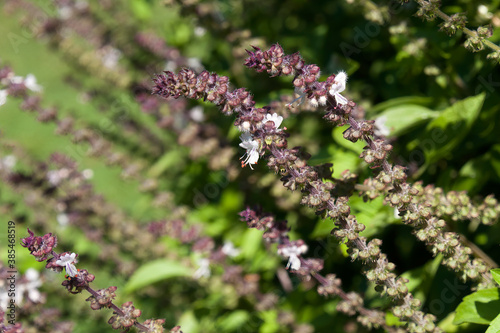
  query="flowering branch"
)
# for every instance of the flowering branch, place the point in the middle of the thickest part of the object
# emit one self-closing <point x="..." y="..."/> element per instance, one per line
<point x="391" y="180"/>
<point x="78" y="280"/>
<point x="352" y="302"/>
<point x="477" y="40"/>
<point x="295" y="172"/>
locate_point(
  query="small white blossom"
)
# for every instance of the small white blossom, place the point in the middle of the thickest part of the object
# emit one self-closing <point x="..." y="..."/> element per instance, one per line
<point x="17" y="79"/>
<point x="322" y="100"/>
<point x="277" y="120"/>
<point x="3" y="96"/>
<point x="199" y="31"/>
<point x="196" y="114"/>
<point x="245" y="126"/>
<point x="292" y="253"/>
<point x="30" y="83"/>
<point x="195" y="63"/>
<point x="396" y="213"/>
<point x="484" y="12"/>
<point x="338" y="86"/>
<point x="203" y="270"/>
<point x="110" y="56"/>
<point x="65" y="12"/>
<point x="252" y="147"/>
<point x="314" y="102"/>
<point x="31" y="287"/>
<point x="229" y="250"/>
<point x="170" y="66"/>
<point x="28" y="284"/>
<point x="67" y="261"/>
<point x="8" y="162"/>
<point x="380" y="128"/>
<point x="88" y="173"/>
<point x="62" y="219"/>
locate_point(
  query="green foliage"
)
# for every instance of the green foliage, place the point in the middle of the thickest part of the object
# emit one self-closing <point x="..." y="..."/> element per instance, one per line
<point x="426" y="85"/>
<point x="155" y="271"/>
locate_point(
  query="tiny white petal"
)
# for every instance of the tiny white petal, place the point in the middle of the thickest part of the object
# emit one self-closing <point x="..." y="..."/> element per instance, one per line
<point x="293" y="262"/>
<point x="88" y="173"/>
<point x="62" y="219"/>
<point x="314" y="102"/>
<point x="67" y="261"/>
<point x="17" y="80"/>
<point x="340" y="99"/>
<point x="322" y="100"/>
<point x="380" y="128"/>
<point x="277" y="120"/>
<point x="252" y="148"/>
<point x="229" y="249"/>
<point x="203" y="270"/>
<point x="30" y="83"/>
<point x="3" y="96"/>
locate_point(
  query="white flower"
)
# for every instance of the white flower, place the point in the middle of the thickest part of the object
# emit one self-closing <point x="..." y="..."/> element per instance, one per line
<point x="199" y="31"/>
<point x="380" y="128"/>
<point x="252" y="147"/>
<point x="8" y="162"/>
<point x="338" y="86"/>
<point x="62" y="219"/>
<point x="396" y="213"/>
<point x="88" y="173"/>
<point x="245" y="126"/>
<point x="229" y="249"/>
<point x="277" y="120"/>
<point x="196" y="114"/>
<point x="203" y="270"/>
<point x="110" y="56"/>
<point x="31" y="287"/>
<point x="292" y="253"/>
<point x="3" y="96"/>
<point x="67" y="261"/>
<point x="30" y="83"/>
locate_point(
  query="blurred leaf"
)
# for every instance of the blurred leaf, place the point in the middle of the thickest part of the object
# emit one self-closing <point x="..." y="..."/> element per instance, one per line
<point x="400" y="101"/>
<point x="271" y="323"/>
<point x="171" y="158"/>
<point x="496" y="275"/>
<point x="420" y="279"/>
<point x="494" y="325"/>
<point x="480" y="307"/>
<point x="188" y="322"/>
<point x="400" y="119"/>
<point x="156" y="271"/>
<point x="233" y="321"/>
<point x="450" y="128"/>
<point x="338" y="136"/>
<point x="252" y="242"/>
<point x="392" y="320"/>
<point x="141" y="9"/>
<point x="322" y="229"/>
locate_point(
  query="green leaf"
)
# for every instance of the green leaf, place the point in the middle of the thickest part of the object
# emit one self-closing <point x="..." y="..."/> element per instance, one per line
<point x="421" y="278"/>
<point x="396" y="102"/>
<point x="445" y="132"/>
<point x="233" y="321"/>
<point x="400" y="119"/>
<point x="156" y="271"/>
<point x="480" y="307"/>
<point x="494" y="325"/>
<point x="496" y="275"/>
<point x="338" y="136"/>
